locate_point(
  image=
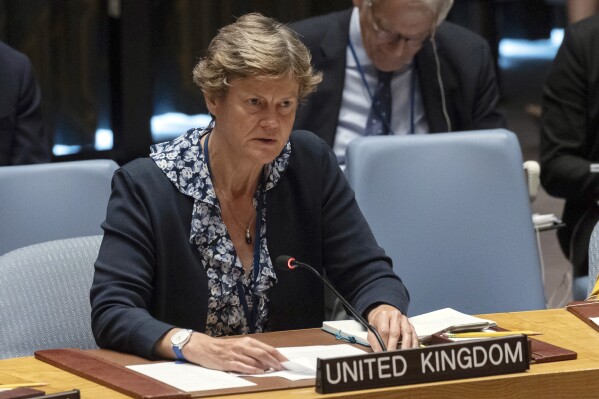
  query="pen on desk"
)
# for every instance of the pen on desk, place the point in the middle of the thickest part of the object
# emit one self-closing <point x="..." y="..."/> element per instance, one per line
<point x="23" y="385"/>
<point x="490" y="334"/>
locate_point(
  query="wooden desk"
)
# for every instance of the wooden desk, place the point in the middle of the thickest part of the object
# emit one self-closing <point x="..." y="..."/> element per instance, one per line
<point x="29" y="369"/>
<point x="565" y="379"/>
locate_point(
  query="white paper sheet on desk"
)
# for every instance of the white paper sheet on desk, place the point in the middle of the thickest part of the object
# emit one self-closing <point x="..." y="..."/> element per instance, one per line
<point x="595" y="320"/>
<point x="190" y="377"/>
<point x="302" y="360"/>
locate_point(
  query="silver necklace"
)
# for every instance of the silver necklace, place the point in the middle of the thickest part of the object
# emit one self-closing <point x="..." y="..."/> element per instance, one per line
<point x="248" y="236"/>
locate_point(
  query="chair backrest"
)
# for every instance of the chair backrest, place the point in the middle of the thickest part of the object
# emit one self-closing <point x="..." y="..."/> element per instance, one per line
<point x="593" y="260"/>
<point x="52" y="201"/>
<point x="44" y="296"/>
<point x="452" y="211"/>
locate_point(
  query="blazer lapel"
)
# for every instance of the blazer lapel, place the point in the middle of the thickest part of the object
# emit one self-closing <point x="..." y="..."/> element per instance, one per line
<point x="331" y="60"/>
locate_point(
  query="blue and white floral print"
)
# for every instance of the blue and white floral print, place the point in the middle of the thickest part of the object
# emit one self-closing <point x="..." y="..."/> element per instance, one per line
<point x="183" y="163"/>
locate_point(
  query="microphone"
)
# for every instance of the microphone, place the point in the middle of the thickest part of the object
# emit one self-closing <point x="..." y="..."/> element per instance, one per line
<point x="287" y="263"/>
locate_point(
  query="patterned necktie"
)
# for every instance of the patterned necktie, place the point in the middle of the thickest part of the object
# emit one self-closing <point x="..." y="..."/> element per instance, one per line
<point x="379" y="119"/>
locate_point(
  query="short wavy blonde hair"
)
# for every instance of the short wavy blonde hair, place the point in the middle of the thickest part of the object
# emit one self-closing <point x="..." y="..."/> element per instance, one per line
<point x="255" y="46"/>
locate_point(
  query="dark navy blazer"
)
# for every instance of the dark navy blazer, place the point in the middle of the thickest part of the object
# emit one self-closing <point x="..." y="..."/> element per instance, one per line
<point x="149" y="277"/>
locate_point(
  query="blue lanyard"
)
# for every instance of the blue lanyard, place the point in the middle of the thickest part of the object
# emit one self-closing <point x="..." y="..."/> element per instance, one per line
<point x="412" y="90"/>
<point x="251" y="317"/>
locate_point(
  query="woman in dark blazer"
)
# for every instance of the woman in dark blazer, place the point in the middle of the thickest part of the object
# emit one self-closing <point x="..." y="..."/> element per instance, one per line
<point x="192" y="232"/>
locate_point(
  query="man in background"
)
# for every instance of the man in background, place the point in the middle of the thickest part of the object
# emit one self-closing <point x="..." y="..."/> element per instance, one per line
<point x="22" y="137"/>
<point x="569" y="150"/>
<point x="395" y="67"/>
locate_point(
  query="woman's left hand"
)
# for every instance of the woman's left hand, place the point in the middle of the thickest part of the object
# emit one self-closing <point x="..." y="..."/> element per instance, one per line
<point x="393" y="327"/>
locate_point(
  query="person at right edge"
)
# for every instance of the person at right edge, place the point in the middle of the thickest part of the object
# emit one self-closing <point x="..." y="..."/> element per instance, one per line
<point x="569" y="150"/>
<point x="442" y="75"/>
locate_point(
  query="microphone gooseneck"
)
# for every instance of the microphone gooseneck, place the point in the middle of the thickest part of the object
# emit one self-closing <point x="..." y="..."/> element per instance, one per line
<point x="287" y="263"/>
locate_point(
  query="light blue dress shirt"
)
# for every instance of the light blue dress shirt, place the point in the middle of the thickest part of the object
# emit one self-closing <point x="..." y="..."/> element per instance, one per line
<point x="356" y="102"/>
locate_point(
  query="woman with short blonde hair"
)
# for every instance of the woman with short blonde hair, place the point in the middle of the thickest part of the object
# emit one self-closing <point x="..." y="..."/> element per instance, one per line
<point x="192" y="233"/>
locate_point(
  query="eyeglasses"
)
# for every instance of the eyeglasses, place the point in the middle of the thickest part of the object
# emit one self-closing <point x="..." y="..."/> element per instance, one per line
<point x="386" y="36"/>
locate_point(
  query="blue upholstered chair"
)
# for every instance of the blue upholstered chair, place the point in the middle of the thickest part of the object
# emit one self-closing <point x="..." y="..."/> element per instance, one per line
<point x="52" y="201"/>
<point x="44" y="296"/>
<point x="452" y="211"/>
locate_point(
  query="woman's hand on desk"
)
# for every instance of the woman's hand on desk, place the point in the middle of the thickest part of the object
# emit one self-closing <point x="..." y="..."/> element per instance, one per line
<point x="392" y="326"/>
<point x="243" y="355"/>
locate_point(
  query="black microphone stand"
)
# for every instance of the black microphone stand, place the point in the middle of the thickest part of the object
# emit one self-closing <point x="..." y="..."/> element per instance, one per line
<point x="341" y="298"/>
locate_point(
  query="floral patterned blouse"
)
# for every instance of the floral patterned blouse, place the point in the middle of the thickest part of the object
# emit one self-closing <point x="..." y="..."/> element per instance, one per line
<point x="183" y="162"/>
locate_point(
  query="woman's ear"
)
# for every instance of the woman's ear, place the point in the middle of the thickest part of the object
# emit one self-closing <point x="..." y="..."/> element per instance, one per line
<point x="211" y="105"/>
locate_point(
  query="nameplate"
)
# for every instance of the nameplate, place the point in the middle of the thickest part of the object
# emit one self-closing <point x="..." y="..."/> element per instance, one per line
<point x="432" y="363"/>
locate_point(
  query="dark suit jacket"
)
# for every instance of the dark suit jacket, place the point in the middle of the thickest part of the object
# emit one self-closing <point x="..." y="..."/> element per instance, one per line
<point x="570" y="136"/>
<point x="22" y="138"/>
<point x="467" y="70"/>
<point x="149" y="277"/>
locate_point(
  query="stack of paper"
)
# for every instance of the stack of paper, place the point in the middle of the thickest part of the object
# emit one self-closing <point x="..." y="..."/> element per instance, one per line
<point x="447" y="320"/>
<point x="427" y="324"/>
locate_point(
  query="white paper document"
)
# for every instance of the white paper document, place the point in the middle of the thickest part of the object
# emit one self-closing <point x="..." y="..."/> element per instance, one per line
<point x="595" y="320"/>
<point x="190" y="377"/>
<point x="447" y="319"/>
<point x="303" y="359"/>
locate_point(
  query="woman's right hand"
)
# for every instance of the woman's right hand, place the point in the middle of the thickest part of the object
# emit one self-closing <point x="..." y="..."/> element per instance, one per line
<point x="239" y="354"/>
